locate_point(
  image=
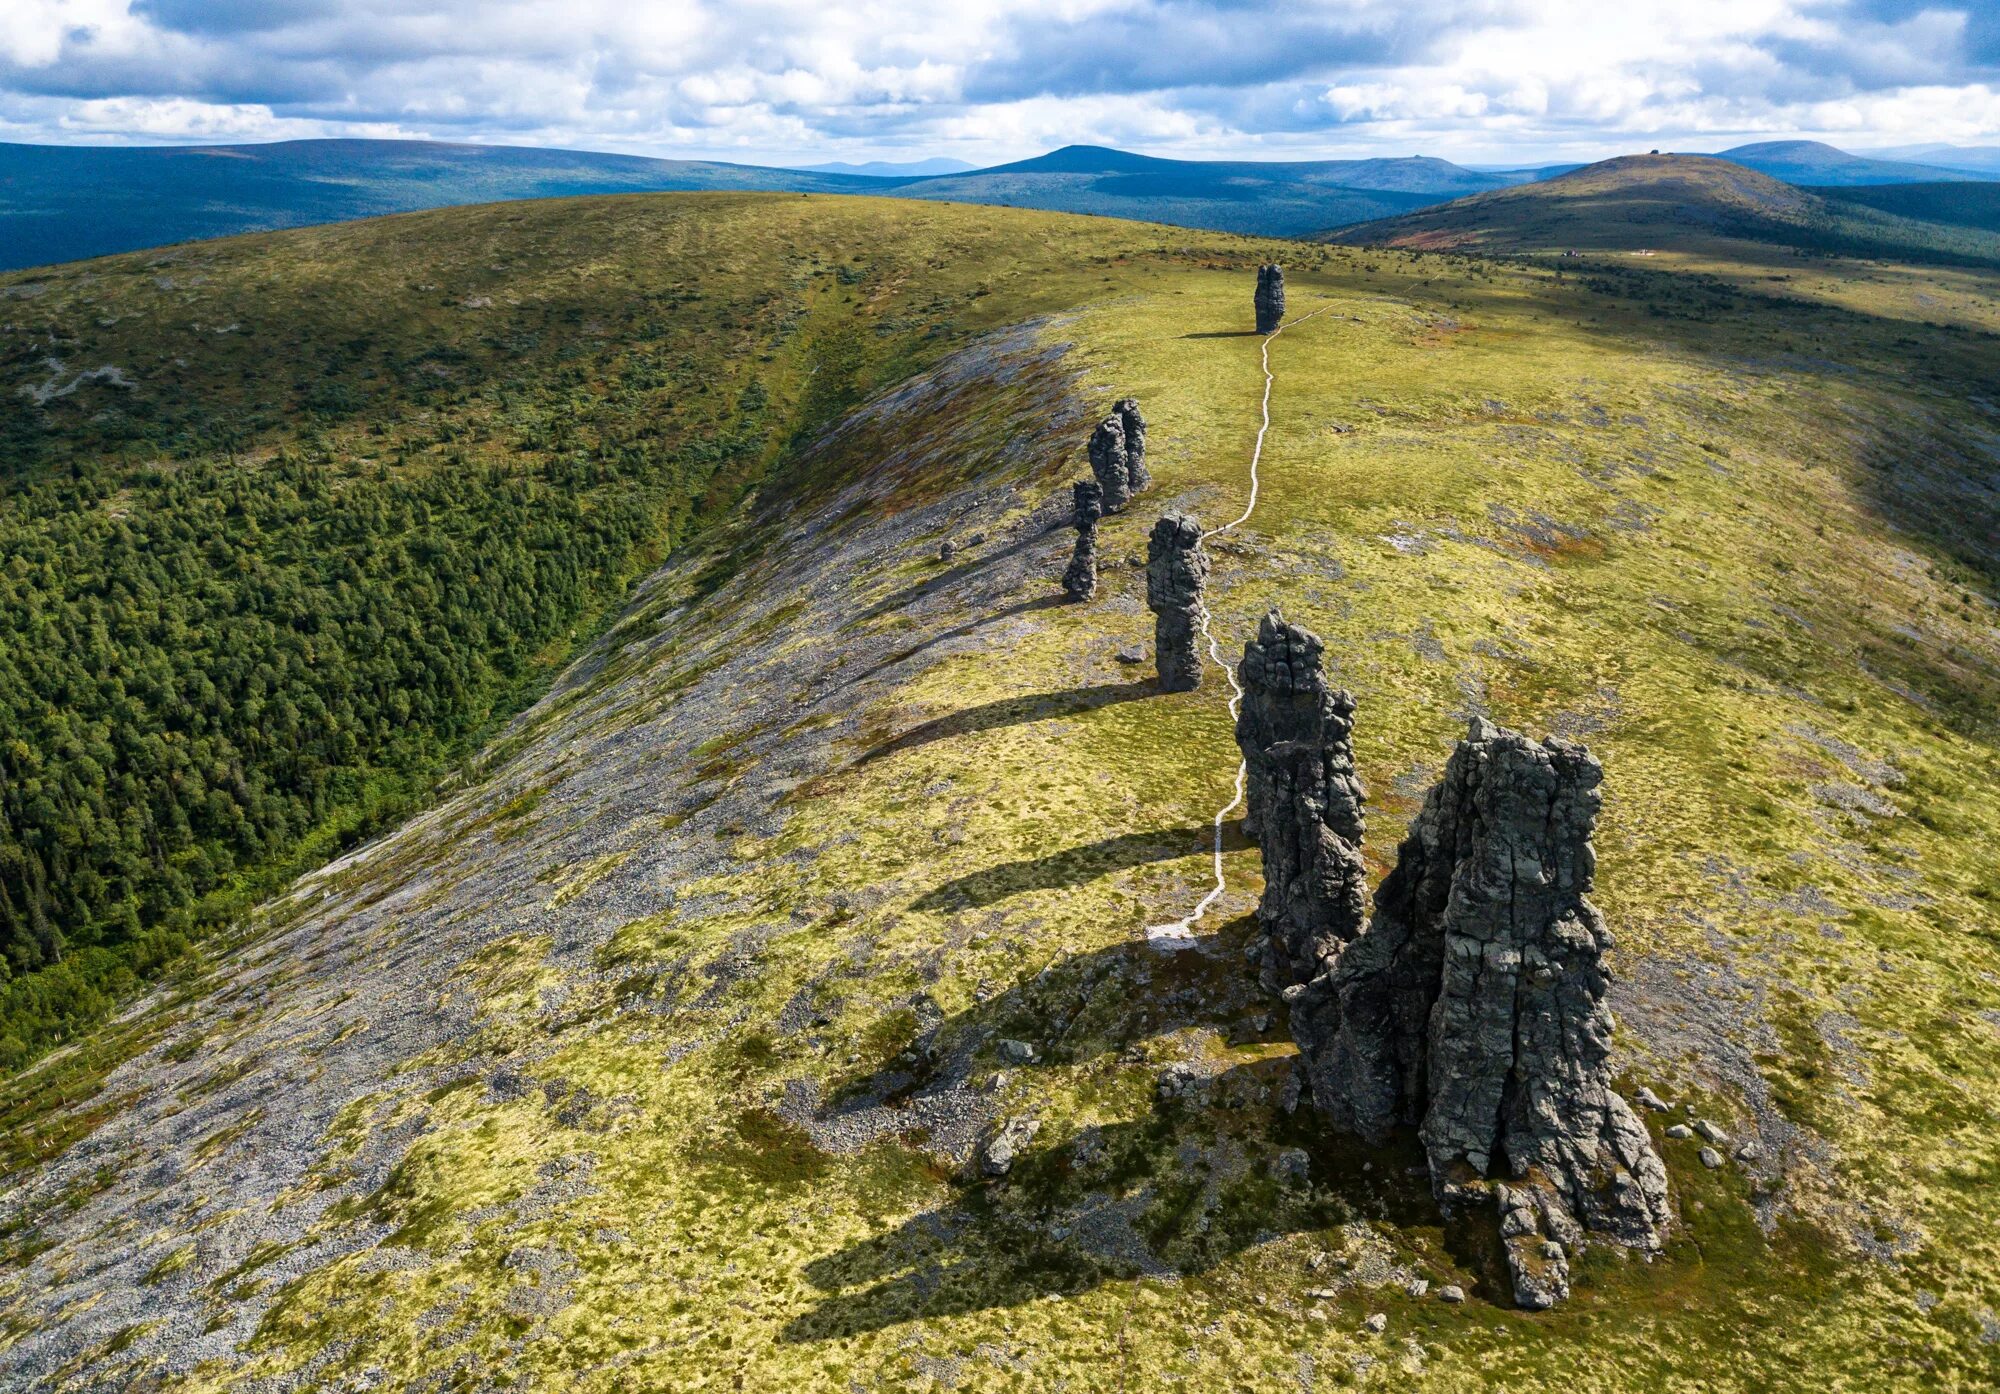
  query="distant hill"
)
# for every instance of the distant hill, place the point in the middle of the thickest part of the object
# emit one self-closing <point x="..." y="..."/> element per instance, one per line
<point x="1669" y="202"/>
<point x="1814" y="162"/>
<point x="1981" y="159"/>
<point x="887" y="169"/>
<point x="1957" y="203"/>
<point x="1267" y="198"/>
<point x="63" y="203"/>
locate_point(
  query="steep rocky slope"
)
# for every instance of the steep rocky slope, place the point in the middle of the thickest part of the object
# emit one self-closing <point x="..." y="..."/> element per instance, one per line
<point x="773" y="1009"/>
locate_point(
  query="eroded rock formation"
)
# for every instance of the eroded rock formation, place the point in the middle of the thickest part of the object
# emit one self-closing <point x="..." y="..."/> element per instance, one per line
<point x="1108" y="464"/>
<point x="1176" y="570"/>
<point x="1474" y="1008"/>
<point x="1304" y="801"/>
<point x="1137" y="477"/>
<point x="1270" y="298"/>
<point x="1080" y="579"/>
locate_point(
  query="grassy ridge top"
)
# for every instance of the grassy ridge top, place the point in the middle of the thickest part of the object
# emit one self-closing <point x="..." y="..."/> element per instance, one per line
<point x="645" y="1058"/>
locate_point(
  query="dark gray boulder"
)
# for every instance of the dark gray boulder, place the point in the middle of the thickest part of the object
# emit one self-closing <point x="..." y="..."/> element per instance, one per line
<point x="1108" y="463"/>
<point x="1474" y="1008"/>
<point x="1304" y="801"/>
<point x="1080" y="579"/>
<point x="1137" y="477"/>
<point x="1270" y="298"/>
<point x="1176" y="571"/>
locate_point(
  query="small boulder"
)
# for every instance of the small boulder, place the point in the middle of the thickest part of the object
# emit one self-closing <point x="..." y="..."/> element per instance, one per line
<point x="1377" y="1323"/>
<point x="1007" y="1144"/>
<point x="1710" y="1158"/>
<point x="1451" y="1292"/>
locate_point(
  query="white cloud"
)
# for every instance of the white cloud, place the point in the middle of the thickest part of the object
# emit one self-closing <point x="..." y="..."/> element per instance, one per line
<point x="987" y="79"/>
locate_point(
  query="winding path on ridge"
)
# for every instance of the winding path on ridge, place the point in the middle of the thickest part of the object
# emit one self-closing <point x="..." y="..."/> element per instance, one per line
<point x="1181" y="931"/>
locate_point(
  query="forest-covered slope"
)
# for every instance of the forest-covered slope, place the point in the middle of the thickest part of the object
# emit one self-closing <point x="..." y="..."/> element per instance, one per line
<point x="288" y="524"/>
<point x="658" y="1054"/>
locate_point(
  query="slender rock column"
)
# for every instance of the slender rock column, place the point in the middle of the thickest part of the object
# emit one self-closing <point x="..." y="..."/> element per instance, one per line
<point x="1304" y="801"/>
<point x="1137" y="478"/>
<point x="1176" y="570"/>
<point x="1080" y="580"/>
<point x="1270" y="298"/>
<point x="1108" y="463"/>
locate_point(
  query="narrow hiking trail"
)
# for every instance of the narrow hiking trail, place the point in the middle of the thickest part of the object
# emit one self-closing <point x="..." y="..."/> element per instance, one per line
<point x="1182" y="930"/>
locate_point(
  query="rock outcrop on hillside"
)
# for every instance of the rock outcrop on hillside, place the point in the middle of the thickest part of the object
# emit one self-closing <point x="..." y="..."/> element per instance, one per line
<point x="1304" y="801"/>
<point x="1474" y="1008"/>
<point x="1108" y="464"/>
<point x="1176" y="571"/>
<point x="1270" y="298"/>
<point x="1137" y="477"/>
<point x="1080" y="578"/>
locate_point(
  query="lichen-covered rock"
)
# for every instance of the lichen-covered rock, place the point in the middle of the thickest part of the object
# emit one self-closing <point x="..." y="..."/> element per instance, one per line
<point x="1176" y="571"/>
<point x="1080" y="578"/>
<point x="1108" y="463"/>
<point x="1474" y="1007"/>
<point x="1137" y="477"/>
<point x="1270" y="298"/>
<point x="1304" y="800"/>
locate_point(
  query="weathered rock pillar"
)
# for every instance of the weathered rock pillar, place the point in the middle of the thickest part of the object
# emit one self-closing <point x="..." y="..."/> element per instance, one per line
<point x="1108" y="463"/>
<point x="1080" y="580"/>
<point x="1474" y="1007"/>
<point x="1270" y="298"/>
<point x="1137" y="477"/>
<point x="1304" y="800"/>
<point x="1176" y="570"/>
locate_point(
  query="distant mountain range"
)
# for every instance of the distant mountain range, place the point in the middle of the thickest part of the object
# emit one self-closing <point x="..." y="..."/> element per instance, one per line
<point x="1813" y="162"/>
<point x="61" y="203"/>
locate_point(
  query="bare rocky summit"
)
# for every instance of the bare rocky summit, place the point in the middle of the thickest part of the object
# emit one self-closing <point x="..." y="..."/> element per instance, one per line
<point x="1176" y="571"/>
<point x="1304" y="801"/>
<point x="1080" y="578"/>
<point x="1474" y="1008"/>
<point x="1270" y="298"/>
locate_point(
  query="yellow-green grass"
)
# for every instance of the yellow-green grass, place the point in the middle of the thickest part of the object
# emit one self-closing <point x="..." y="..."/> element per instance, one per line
<point x="1487" y="491"/>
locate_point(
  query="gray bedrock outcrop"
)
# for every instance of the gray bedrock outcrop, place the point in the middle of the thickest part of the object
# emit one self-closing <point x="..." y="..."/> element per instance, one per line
<point x="1079" y="580"/>
<point x="1176" y="571"/>
<point x="1304" y="801"/>
<point x="1270" y="298"/>
<point x="1137" y="477"/>
<point x="1474" y="1008"/>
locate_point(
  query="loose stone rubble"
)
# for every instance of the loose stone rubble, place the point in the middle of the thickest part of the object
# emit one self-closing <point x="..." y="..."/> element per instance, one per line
<point x="1079" y="581"/>
<point x="1176" y="570"/>
<point x="1304" y="801"/>
<point x="1474" y="1008"/>
<point x="1270" y="298"/>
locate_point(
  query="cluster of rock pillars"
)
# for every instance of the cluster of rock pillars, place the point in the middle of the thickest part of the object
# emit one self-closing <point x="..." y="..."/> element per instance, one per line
<point x="1471" y="1006"/>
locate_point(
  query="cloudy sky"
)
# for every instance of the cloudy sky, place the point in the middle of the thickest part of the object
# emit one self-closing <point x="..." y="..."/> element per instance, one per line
<point x="795" y="81"/>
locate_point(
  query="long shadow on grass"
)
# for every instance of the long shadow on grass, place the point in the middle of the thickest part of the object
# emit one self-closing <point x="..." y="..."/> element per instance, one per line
<point x="1224" y="334"/>
<point x="1019" y="607"/>
<point x="1014" y="711"/>
<point x="1073" y="866"/>
<point x="1176" y="1190"/>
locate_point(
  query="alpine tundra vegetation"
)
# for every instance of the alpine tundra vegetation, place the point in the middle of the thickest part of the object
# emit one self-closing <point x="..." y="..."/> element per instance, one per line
<point x="733" y="968"/>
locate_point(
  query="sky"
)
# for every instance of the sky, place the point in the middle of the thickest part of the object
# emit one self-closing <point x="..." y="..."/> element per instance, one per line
<point x="800" y="81"/>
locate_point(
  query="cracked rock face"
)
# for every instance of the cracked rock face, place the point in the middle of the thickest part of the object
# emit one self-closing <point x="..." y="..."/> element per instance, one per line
<point x="1176" y="570"/>
<point x="1109" y="465"/>
<point x="1270" y="298"/>
<point x="1474" y="1008"/>
<point x="1304" y="800"/>
<point x="1137" y="477"/>
<point x="1080" y="579"/>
